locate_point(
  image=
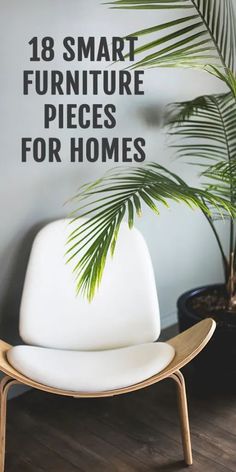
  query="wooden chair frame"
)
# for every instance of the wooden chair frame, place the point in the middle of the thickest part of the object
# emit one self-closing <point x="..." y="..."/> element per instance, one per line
<point x="187" y="345"/>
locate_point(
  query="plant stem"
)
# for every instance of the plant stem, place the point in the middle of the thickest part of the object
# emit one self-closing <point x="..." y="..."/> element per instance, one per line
<point x="231" y="290"/>
<point x="224" y="258"/>
<point x="230" y="281"/>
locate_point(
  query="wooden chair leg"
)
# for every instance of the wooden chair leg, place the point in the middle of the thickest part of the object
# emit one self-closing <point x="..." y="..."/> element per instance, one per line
<point x="184" y="419"/>
<point x="5" y="385"/>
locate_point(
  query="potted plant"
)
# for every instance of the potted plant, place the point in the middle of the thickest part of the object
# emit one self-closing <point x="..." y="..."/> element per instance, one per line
<point x="201" y="34"/>
<point x="206" y="131"/>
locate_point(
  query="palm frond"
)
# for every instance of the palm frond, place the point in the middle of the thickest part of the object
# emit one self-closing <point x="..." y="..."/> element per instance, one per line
<point x="206" y="128"/>
<point x="204" y="34"/>
<point x="204" y="131"/>
<point x="222" y="179"/>
<point x="106" y="203"/>
<point x="228" y="77"/>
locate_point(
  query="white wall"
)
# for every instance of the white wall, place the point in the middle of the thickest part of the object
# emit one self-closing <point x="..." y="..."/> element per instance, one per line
<point x="182" y="247"/>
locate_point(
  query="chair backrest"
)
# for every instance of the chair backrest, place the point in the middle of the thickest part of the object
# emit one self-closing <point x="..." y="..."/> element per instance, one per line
<point x="124" y="311"/>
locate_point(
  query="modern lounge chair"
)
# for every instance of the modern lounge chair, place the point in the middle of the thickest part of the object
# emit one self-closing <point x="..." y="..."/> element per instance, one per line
<point x="98" y="349"/>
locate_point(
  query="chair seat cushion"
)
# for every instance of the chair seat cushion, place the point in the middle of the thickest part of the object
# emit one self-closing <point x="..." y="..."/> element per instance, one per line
<point x="91" y="371"/>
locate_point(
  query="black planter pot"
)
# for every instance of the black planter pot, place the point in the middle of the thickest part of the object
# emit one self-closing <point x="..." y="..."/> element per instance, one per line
<point x="218" y="359"/>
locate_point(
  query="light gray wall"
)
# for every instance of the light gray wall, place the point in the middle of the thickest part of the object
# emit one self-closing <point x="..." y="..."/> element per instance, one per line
<point x="183" y="249"/>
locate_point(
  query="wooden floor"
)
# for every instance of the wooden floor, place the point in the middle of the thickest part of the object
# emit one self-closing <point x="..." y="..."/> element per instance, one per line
<point x="134" y="432"/>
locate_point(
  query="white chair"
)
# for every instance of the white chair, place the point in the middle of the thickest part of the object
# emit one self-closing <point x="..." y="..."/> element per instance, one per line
<point x="98" y="349"/>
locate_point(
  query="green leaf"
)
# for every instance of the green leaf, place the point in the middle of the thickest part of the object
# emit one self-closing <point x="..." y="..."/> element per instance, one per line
<point x="215" y="20"/>
<point x="137" y="205"/>
<point x="203" y="130"/>
<point x="130" y="214"/>
<point x="91" y="240"/>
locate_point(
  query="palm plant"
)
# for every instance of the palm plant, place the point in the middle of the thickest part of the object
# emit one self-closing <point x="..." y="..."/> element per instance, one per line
<point x="205" y="128"/>
<point x="203" y="36"/>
